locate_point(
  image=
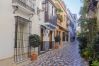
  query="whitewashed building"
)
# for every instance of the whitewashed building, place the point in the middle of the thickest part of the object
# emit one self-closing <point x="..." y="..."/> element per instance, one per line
<point x="18" y="20"/>
<point x="15" y="27"/>
<point x="72" y="20"/>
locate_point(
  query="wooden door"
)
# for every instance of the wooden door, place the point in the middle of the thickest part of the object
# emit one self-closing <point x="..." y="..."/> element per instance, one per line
<point x="41" y="46"/>
<point x="50" y="40"/>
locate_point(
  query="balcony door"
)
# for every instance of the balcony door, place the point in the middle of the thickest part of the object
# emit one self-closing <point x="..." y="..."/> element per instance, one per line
<point x="41" y="46"/>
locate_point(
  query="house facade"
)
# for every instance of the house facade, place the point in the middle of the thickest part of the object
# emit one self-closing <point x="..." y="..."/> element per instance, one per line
<point x="49" y="26"/>
<point x="72" y="20"/>
<point x="21" y="18"/>
<point x="61" y="22"/>
<point x="15" y="27"/>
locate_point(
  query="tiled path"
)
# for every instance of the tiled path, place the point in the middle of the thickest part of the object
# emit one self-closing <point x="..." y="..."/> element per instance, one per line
<point x="66" y="56"/>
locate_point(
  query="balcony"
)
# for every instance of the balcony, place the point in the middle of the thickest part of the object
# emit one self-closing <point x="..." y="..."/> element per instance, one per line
<point x="53" y="20"/>
<point x="52" y="23"/>
<point x="24" y="4"/>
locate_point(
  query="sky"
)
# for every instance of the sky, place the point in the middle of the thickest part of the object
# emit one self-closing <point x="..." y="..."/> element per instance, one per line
<point x="73" y="6"/>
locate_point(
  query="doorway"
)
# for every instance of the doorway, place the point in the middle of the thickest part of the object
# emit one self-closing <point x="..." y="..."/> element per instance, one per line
<point x="50" y="40"/>
<point x="22" y="32"/>
<point x="41" y="46"/>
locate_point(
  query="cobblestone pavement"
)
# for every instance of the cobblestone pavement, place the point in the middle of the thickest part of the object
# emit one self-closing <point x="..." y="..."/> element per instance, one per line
<point x="66" y="56"/>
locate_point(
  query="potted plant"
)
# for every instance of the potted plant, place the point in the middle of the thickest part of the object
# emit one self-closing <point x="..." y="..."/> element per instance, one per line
<point x="34" y="41"/>
<point x="57" y="41"/>
<point x="60" y="17"/>
<point x="59" y="10"/>
<point x="86" y="54"/>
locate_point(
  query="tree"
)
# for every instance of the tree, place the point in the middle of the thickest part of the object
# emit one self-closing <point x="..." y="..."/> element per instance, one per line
<point x="34" y="41"/>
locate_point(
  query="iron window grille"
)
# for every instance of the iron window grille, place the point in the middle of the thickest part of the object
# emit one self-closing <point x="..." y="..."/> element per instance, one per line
<point x="22" y="49"/>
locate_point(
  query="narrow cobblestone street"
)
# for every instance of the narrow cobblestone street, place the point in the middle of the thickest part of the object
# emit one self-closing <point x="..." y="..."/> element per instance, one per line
<point x="49" y="33"/>
<point x="66" y="56"/>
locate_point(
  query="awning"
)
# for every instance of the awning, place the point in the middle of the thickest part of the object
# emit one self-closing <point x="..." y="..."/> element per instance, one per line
<point x="49" y="26"/>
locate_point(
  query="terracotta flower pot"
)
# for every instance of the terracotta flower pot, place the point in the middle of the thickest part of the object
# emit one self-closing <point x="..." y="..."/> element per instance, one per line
<point x="34" y="56"/>
<point x="56" y="46"/>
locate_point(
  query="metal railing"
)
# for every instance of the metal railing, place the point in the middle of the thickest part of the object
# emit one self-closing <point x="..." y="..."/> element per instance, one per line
<point x="24" y="4"/>
<point x="53" y="20"/>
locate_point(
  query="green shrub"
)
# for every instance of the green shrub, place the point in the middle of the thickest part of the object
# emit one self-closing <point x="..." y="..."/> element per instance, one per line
<point x="83" y="44"/>
<point x="34" y="40"/>
<point x="95" y="63"/>
<point x="87" y="53"/>
<point x="59" y="10"/>
<point x="57" y="38"/>
<point x="96" y="46"/>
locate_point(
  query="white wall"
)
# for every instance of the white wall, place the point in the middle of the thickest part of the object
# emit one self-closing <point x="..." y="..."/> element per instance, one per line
<point x="7" y="26"/>
<point x="7" y="29"/>
<point x="37" y="19"/>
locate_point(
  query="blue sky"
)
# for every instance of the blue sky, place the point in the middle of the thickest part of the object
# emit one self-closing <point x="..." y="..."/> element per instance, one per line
<point x="74" y="6"/>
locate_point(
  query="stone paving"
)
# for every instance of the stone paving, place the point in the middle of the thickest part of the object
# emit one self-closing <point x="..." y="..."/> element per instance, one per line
<point x="66" y="56"/>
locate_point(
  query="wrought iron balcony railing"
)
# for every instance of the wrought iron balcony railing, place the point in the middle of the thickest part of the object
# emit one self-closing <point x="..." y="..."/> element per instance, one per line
<point x="53" y="20"/>
<point x="51" y="23"/>
<point x="25" y="3"/>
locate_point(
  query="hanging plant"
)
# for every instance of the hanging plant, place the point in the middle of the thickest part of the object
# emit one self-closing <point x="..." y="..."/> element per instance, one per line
<point x="60" y="17"/>
<point x="59" y="10"/>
